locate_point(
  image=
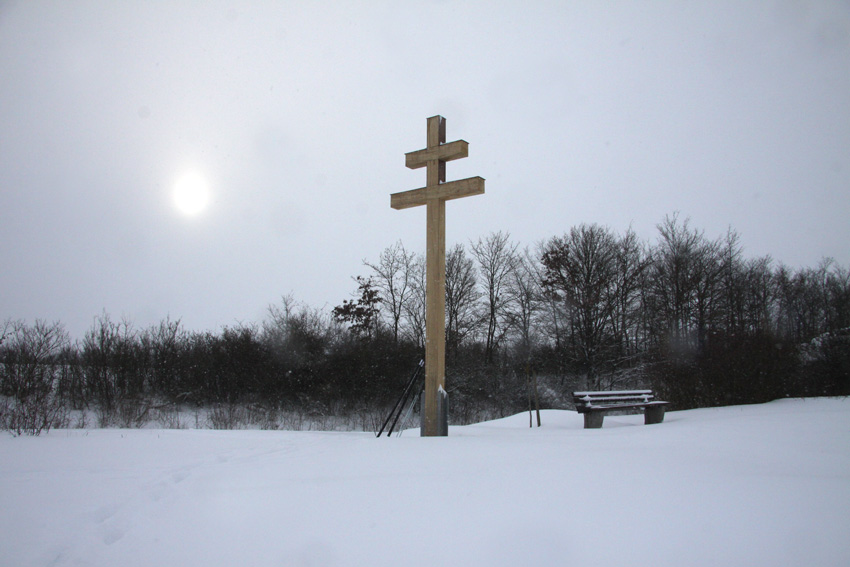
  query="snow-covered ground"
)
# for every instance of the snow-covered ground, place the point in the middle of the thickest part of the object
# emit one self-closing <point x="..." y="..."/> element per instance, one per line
<point x="750" y="485"/>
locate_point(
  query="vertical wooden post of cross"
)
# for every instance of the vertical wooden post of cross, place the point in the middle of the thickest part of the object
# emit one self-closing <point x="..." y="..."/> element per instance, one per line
<point x="435" y="285"/>
<point x="434" y="196"/>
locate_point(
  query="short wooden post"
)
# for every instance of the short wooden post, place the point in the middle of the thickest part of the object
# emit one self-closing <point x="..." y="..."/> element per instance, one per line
<point x="593" y="419"/>
<point x="653" y="413"/>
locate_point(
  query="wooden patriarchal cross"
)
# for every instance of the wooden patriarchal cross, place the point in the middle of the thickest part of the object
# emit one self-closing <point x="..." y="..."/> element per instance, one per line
<point x="434" y="195"/>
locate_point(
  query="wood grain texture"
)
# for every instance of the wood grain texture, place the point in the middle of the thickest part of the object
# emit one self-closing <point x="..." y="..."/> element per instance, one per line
<point x="434" y="196"/>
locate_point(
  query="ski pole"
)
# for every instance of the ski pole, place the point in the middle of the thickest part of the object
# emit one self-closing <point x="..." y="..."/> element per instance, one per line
<point x="403" y="395"/>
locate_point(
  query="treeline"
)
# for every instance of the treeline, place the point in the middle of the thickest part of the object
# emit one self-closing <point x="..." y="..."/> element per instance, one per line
<point x="298" y="361"/>
<point x="687" y="315"/>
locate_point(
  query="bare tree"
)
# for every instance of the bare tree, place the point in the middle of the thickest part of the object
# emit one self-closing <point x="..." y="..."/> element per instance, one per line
<point x="497" y="258"/>
<point x="164" y="344"/>
<point x="526" y="286"/>
<point x="759" y="296"/>
<point x="414" y="306"/>
<point x="31" y="375"/>
<point x="708" y="267"/>
<point x="580" y="272"/>
<point x="685" y="283"/>
<point x="838" y="290"/>
<point x="297" y="334"/>
<point x="394" y="279"/>
<point x="461" y="297"/>
<point x="813" y="301"/>
<point x="732" y="281"/>
<point x="630" y="264"/>
<point x="115" y="372"/>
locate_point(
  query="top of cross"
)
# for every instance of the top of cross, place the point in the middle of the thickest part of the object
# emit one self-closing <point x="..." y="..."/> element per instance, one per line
<point x="434" y="157"/>
<point x="437" y="148"/>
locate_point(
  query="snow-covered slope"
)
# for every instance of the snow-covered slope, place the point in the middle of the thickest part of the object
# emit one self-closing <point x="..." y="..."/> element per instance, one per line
<point x="751" y="485"/>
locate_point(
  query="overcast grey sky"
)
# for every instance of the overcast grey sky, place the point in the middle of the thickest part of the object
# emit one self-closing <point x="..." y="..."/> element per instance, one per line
<point x="298" y="115"/>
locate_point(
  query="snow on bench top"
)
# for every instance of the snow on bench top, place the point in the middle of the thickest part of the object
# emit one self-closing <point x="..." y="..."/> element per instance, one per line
<point x="614" y="393"/>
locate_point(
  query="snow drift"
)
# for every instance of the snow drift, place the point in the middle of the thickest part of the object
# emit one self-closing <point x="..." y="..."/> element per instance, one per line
<point x="749" y="485"/>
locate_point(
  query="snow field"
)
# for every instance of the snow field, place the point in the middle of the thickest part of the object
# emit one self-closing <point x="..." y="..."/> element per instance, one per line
<point x="747" y="485"/>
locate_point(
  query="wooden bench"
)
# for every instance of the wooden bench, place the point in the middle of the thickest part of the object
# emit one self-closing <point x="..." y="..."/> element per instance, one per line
<point x="594" y="405"/>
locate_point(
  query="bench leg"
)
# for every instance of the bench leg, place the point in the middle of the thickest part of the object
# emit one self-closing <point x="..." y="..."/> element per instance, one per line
<point x="653" y="414"/>
<point x="593" y="419"/>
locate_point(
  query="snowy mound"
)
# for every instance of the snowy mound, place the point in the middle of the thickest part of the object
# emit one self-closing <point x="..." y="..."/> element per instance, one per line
<point x="750" y="485"/>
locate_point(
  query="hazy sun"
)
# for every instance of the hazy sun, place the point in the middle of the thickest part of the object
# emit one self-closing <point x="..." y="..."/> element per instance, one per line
<point x="191" y="193"/>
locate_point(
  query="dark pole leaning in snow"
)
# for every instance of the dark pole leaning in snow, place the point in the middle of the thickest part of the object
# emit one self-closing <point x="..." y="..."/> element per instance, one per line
<point x="398" y="408"/>
<point x="434" y="195"/>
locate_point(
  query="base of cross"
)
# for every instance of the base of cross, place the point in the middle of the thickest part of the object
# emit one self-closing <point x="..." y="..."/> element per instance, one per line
<point x="442" y="414"/>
